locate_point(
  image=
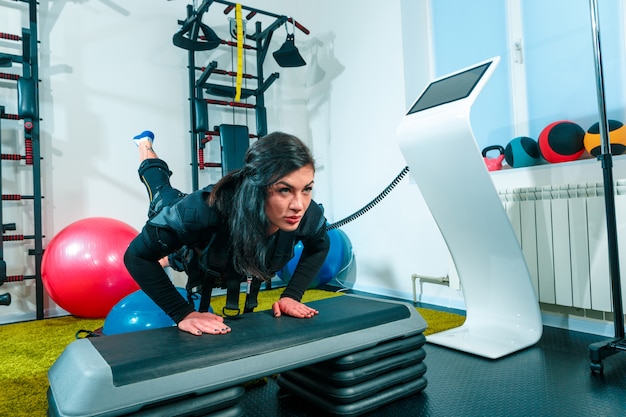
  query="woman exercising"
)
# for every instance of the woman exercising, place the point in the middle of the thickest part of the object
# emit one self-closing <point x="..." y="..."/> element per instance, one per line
<point x="241" y="229"/>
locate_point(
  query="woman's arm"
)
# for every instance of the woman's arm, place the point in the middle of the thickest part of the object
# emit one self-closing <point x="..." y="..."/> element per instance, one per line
<point x="314" y="252"/>
<point x="142" y="261"/>
<point x="316" y="243"/>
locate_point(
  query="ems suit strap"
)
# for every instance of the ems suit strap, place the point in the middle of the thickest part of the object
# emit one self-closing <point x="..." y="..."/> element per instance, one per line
<point x="253" y="287"/>
<point x="233" y="285"/>
<point x="205" y="294"/>
<point x="232" y="295"/>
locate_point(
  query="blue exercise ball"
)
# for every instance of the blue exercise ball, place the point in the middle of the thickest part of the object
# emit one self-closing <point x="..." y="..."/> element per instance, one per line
<point x="336" y="264"/>
<point x="522" y="151"/>
<point x="137" y="312"/>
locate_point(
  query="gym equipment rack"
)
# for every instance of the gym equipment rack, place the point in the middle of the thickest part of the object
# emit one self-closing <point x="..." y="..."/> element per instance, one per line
<point x="237" y="137"/>
<point x="28" y="111"/>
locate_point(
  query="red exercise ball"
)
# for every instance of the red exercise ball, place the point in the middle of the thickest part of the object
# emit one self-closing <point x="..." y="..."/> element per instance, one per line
<point x="562" y="141"/>
<point x="83" y="266"/>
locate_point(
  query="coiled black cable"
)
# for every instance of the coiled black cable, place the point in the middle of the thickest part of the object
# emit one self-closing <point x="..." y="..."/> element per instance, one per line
<point x="372" y="203"/>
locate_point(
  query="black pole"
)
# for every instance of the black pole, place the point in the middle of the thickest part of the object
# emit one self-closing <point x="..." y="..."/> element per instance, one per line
<point x="261" y="112"/>
<point x="5" y="299"/>
<point x="33" y="73"/>
<point x="193" y="135"/>
<point x="600" y="350"/>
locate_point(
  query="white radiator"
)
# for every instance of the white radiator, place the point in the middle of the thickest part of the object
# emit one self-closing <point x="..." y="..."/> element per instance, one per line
<point x="563" y="235"/>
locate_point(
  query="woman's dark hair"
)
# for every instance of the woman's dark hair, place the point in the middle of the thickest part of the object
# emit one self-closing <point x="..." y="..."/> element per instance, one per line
<point x="240" y="196"/>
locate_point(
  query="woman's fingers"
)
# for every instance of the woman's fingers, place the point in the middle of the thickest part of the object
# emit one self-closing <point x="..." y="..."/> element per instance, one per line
<point x="293" y="308"/>
<point x="199" y="323"/>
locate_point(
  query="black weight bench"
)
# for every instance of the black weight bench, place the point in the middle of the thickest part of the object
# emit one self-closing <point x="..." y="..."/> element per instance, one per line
<point x="168" y="372"/>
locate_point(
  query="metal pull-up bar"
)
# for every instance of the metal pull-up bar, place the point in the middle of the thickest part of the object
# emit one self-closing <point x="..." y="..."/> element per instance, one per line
<point x="16" y="238"/>
<point x="252" y="12"/>
<point x="229" y="103"/>
<point x="7" y="76"/>
<point x="10" y="36"/>
<point x="16" y="197"/>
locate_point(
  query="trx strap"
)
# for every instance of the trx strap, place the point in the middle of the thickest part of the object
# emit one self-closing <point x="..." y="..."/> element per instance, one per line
<point x="288" y="55"/>
<point x="239" y="52"/>
<point x="189" y="38"/>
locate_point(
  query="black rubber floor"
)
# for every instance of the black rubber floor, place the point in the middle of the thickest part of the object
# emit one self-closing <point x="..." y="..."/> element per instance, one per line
<point x="552" y="379"/>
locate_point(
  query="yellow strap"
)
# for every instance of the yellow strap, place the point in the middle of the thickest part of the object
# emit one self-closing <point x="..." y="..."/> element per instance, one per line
<point x="239" y="78"/>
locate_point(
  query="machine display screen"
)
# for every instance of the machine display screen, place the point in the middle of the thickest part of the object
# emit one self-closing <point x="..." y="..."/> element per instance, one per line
<point x="449" y="89"/>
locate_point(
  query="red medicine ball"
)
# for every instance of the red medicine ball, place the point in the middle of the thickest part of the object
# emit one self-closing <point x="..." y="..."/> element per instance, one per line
<point x="562" y="141"/>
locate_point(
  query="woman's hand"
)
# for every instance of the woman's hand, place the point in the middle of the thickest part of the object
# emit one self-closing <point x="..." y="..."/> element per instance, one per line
<point x="198" y="323"/>
<point x="293" y="308"/>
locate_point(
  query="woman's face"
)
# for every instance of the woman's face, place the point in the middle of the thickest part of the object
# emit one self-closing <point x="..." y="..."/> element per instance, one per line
<point x="288" y="199"/>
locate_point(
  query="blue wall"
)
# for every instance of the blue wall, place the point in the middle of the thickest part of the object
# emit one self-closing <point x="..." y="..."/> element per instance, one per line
<point x="467" y="32"/>
<point x="558" y="60"/>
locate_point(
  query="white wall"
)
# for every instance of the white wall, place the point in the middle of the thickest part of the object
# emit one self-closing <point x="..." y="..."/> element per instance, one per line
<point x="109" y="70"/>
<point x="366" y="102"/>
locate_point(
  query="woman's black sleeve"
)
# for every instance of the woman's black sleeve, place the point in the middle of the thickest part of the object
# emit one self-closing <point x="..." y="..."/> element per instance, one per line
<point x="142" y="261"/>
<point x="187" y="222"/>
<point x="315" y="249"/>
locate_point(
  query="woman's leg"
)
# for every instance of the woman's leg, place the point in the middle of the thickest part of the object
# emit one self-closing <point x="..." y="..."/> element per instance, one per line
<point x="155" y="175"/>
<point x="144" y="142"/>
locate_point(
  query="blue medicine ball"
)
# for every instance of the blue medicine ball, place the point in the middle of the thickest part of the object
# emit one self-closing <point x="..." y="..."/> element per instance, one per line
<point x="336" y="264"/>
<point x="137" y="312"/>
<point x="522" y="151"/>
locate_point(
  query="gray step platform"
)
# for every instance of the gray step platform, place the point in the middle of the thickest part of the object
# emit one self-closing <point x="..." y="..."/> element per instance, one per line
<point x="128" y="373"/>
<point x="360" y="399"/>
<point x="368" y="356"/>
<point x="362" y="374"/>
<point x="359" y="383"/>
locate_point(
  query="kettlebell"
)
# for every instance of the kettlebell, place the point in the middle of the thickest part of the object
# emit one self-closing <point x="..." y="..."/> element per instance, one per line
<point x="493" y="164"/>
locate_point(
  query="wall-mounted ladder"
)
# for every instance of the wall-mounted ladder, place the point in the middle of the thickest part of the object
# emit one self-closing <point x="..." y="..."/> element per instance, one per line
<point x="27" y="85"/>
<point x="194" y="36"/>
